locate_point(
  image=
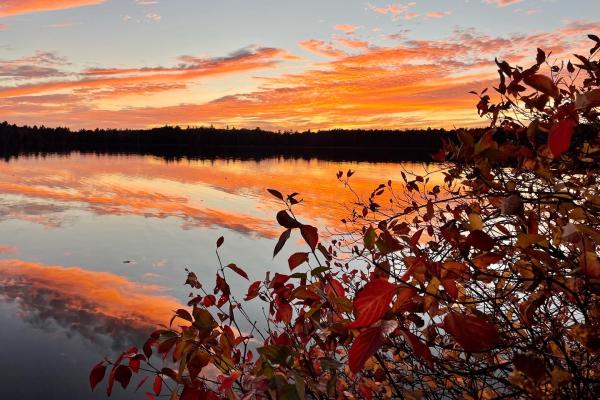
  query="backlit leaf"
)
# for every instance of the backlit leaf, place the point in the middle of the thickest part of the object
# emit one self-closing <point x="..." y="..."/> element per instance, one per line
<point x="364" y="347"/>
<point x="559" y="138"/>
<point x="372" y="302"/>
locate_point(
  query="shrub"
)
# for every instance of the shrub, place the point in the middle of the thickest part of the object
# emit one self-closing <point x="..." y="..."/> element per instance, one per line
<point x="484" y="285"/>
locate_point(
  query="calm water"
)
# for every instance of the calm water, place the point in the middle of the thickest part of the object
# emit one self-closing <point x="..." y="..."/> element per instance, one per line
<point x="93" y="250"/>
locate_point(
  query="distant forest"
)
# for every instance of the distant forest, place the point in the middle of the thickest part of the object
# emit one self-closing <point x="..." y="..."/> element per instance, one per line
<point x="174" y="143"/>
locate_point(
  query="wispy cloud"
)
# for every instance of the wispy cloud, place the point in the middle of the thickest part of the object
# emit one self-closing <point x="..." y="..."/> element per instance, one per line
<point x="190" y="68"/>
<point x="41" y="64"/>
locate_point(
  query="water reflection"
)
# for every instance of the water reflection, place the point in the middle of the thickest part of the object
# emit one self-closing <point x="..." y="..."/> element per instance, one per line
<point x="106" y="309"/>
<point x="97" y="211"/>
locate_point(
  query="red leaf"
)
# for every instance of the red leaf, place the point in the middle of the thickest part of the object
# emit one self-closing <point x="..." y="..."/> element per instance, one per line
<point x="284" y="313"/>
<point x="559" y="139"/>
<point x="220" y="241"/>
<point x="209" y="300"/>
<point x="157" y="385"/>
<point x="363" y="347"/>
<point x="228" y="381"/>
<point x="97" y="374"/>
<point x="134" y="364"/>
<point x="123" y="375"/>
<point x="252" y="291"/>
<point x="404" y="300"/>
<point x="480" y="240"/>
<point x="238" y="270"/>
<point x="296" y="259"/>
<point x="471" y="332"/>
<point x="310" y="235"/>
<point x="420" y="348"/>
<point x="372" y="302"/>
<point x="334" y="286"/>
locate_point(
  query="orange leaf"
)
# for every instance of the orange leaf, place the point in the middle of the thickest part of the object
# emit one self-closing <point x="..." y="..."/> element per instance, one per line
<point x="372" y="302"/>
<point x="363" y="347"/>
<point x="542" y="83"/>
<point x="228" y="381"/>
<point x="485" y="260"/>
<point x="471" y="332"/>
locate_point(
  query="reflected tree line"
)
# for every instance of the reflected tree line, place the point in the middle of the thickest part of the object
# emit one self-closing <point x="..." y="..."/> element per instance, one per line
<point x="172" y="143"/>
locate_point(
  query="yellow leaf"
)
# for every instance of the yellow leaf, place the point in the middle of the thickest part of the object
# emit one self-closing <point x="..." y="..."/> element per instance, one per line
<point x="475" y="222"/>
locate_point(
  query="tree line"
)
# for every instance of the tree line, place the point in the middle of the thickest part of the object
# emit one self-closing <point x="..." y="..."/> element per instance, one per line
<point x="173" y="142"/>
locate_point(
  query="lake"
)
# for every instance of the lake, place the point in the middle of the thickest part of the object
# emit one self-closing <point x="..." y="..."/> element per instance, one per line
<point x="93" y="249"/>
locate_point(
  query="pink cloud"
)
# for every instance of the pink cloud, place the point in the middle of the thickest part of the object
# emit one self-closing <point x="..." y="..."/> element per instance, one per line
<point x="503" y="3"/>
<point x="346" y="28"/>
<point x="17" y="7"/>
<point x="438" y="14"/>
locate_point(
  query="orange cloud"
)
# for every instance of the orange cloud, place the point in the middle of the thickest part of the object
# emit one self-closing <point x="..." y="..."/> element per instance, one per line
<point x="95" y="304"/>
<point x="321" y="48"/>
<point x="352" y="43"/>
<point x="346" y="28"/>
<point x="17" y="7"/>
<point x="416" y="83"/>
<point x="192" y="68"/>
<point x="438" y="14"/>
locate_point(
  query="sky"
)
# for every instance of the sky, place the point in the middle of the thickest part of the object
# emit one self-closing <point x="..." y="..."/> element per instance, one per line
<point x="280" y="65"/>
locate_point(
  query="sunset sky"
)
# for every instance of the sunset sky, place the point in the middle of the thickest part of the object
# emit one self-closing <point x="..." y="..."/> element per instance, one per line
<point x="274" y="64"/>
